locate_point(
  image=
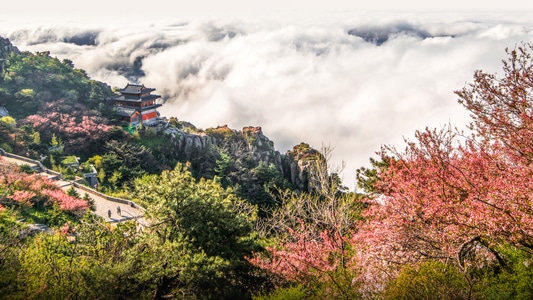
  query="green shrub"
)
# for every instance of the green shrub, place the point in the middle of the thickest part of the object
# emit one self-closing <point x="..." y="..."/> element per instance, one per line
<point x="26" y="169"/>
<point x="292" y="292"/>
<point x="428" y="280"/>
<point x="515" y="281"/>
<point x="8" y="121"/>
<point x="6" y="147"/>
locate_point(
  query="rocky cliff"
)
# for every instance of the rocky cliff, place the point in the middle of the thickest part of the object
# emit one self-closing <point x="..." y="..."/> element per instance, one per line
<point x="6" y="48"/>
<point x="300" y="163"/>
<point x="192" y="144"/>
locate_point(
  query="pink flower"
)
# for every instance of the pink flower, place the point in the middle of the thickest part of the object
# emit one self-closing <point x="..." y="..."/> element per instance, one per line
<point x="65" y="228"/>
<point x="65" y="201"/>
<point x="22" y="196"/>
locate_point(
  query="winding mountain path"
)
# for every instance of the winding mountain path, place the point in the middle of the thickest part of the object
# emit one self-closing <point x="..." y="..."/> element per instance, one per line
<point x="113" y="210"/>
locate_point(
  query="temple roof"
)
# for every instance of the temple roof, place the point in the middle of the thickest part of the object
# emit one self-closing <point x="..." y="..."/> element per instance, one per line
<point x="136" y="89"/>
<point x="136" y="99"/>
<point x="125" y="112"/>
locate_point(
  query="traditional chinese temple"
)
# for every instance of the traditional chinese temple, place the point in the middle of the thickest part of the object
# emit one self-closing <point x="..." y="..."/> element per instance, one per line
<point x="136" y="104"/>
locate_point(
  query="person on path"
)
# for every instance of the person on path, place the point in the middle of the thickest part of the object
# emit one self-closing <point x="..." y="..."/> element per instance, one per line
<point x="118" y="211"/>
<point x="109" y="213"/>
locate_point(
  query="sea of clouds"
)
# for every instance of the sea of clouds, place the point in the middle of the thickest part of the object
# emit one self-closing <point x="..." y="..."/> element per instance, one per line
<point x="352" y="82"/>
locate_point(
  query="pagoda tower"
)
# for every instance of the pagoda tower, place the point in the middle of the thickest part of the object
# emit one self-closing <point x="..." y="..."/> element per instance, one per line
<point x="136" y="104"/>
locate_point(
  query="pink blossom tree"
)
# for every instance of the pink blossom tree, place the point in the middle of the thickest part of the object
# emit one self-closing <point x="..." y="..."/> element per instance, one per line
<point x="451" y="197"/>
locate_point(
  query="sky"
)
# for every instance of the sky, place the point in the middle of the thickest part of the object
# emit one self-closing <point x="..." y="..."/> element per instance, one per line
<point x="350" y="76"/>
<point x="97" y="10"/>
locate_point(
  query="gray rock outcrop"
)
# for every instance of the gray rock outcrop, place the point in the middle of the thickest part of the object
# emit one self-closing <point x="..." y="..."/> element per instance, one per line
<point x="6" y="48"/>
<point x="192" y="144"/>
<point x="300" y="163"/>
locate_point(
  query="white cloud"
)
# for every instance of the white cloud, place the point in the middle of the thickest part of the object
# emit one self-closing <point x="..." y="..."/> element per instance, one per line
<point x="301" y="81"/>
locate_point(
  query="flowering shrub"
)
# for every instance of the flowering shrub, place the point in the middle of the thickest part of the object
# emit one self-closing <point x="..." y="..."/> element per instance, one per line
<point x="31" y="188"/>
<point x="66" y="202"/>
<point x="305" y="256"/>
<point x="22" y="196"/>
<point x="79" y="128"/>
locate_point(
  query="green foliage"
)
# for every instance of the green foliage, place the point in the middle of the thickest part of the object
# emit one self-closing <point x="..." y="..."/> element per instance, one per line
<point x="69" y="160"/>
<point x="56" y="144"/>
<point x="212" y="218"/>
<point x="428" y="280"/>
<point x="513" y="282"/>
<point x="338" y="284"/>
<point x="437" y="280"/>
<point x="117" y="133"/>
<point x="122" y="162"/>
<point x="175" y="269"/>
<point x="92" y="264"/>
<point x="12" y="139"/>
<point x="131" y="156"/>
<point x="222" y="133"/>
<point x="252" y="181"/>
<point x="56" y="217"/>
<point x="36" y="136"/>
<point x="306" y="152"/>
<point x="85" y="167"/>
<point x="129" y="129"/>
<point x="8" y="121"/>
<point x="26" y="93"/>
<point x="204" y="233"/>
<point x="174" y="122"/>
<point x="101" y="175"/>
<point x="297" y="292"/>
<point x="10" y="248"/>
<point x="28" y="80"/>
<point x="92" y="205"/>
<point x="6" y="147"/>
<point x="159" y="144"/>
<point x="68" y="173"/>
<point x="96" y="161"/>
<point x="48" y="270"/>
<point x="26" y="169"/>
<point x="72" y="192"/>
<point x="302" y="147"/>
<point x="266" y="181"/>
<point x="368" y="177"/>
<point x="223" y="164"/>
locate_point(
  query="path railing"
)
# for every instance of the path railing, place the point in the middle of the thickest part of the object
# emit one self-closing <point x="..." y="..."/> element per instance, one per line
<point x="107" y="197"/>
